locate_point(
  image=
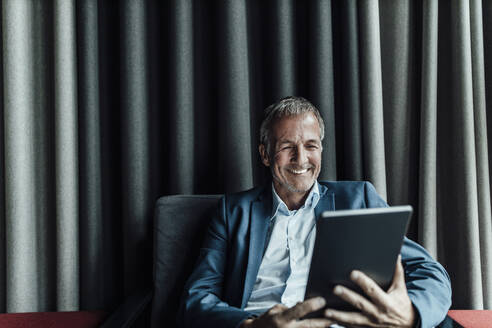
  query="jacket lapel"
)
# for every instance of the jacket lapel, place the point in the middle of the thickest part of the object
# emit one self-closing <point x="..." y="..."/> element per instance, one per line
<point x="261" y="210"/>
<point x="326" y="201"/>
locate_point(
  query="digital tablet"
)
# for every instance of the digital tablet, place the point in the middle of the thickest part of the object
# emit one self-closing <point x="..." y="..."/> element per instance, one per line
<point x="368" y="240"/>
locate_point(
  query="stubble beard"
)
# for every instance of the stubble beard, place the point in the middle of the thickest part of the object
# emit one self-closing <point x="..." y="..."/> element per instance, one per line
<point x="289" y="186"/>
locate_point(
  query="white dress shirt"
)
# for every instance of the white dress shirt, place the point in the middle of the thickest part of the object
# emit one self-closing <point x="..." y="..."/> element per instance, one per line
<point x="284" y="269"/>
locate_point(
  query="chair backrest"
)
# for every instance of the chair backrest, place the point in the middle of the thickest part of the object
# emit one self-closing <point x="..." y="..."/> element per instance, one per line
<point x="180" y="223"/>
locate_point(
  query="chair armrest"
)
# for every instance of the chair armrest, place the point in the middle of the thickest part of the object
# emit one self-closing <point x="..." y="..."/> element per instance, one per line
<point x="130" y="311"/>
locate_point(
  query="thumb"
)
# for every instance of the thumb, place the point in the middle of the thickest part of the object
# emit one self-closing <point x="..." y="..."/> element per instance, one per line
<point x="399" y="276"/>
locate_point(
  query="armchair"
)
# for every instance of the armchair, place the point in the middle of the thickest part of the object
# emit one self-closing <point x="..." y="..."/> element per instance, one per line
<point x="179" y="225"/>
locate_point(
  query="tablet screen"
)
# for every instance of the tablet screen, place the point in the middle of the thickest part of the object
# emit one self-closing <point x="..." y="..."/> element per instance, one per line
<point x="368" y="240"/>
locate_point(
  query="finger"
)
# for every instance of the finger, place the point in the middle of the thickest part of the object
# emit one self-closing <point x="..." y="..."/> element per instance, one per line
<point x="370" y="288"/>
<point x="357" y="300"/>
<point x="301" y="309"/>
<point x="313" y="323"/>
<point x="278" y="308"/>
<point x="348" y="318"/>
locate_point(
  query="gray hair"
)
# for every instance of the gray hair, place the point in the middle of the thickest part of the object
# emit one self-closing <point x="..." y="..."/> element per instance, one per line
<point x="288" y="106"/>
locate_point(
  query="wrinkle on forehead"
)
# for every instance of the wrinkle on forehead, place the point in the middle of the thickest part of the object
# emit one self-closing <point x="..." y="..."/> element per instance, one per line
<point x="298" y="128"/>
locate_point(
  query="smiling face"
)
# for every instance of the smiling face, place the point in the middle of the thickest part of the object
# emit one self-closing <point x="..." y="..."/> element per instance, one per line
<point x="295" y="158"/>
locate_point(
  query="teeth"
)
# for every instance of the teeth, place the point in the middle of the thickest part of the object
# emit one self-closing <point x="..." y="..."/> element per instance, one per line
<point x="299" y="171"/>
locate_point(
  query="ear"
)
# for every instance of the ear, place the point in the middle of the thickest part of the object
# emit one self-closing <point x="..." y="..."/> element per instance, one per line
<point x="264" y="155"/>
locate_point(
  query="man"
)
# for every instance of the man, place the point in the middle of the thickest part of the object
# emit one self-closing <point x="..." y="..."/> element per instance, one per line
<point x="253" y="267"/>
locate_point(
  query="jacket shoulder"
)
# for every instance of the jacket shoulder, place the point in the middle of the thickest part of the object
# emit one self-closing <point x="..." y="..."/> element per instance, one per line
<point x="245" y="196"/>
<point x="353" y="194"/>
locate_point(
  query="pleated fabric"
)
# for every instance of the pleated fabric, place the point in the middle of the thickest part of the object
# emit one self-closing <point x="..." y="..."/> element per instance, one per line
<point x="91" y="233"/>
<point x="320" y="89"/>
<point x="66" y="155"/>
<point x="20" y="165"/>
<point x="372" y="95"/>
<point x="135" y="118"/>
<point x="107" y="105"/>
<point x="182" y="98"/>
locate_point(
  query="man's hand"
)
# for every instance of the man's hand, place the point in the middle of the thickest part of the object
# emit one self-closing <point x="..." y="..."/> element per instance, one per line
<point x="382" y="309"/>
<point x="282" y="316"/>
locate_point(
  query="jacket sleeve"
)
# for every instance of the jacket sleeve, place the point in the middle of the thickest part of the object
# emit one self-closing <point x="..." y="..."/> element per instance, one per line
<point x="201" y="304"/>
<point x="428" y="283"/>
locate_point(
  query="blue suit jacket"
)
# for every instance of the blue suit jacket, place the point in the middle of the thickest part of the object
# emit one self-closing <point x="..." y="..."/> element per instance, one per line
<point x="221" y="283"/>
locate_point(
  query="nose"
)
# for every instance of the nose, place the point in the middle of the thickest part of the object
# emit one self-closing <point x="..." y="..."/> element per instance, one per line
<point x="300" y="155"/>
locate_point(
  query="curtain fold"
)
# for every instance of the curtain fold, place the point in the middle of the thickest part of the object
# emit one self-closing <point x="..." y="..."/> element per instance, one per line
<point x="90" y="184"/>
<point x="321" y="90"/>
<point x="45" y="222"/>
<point x="105" y="106"/>
<point x="136" y="203"/>
<point x="400" y="97"/>
<point x="182" y="97"/>
<point x="481" y="149"/>
<point x="20" y="192"/>
<point x="348" y="94"/>
<point x="66" y="155"/>
<point x="462" y="151"/>
<point x="427" y="230"/>
<point x="3" y="250"/>
<point x="280" y="25"/>
<point x="372" y="95"/>
<point x="234" y="160"/>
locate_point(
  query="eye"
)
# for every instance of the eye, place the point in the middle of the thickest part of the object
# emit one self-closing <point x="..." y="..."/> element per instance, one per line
<point x="312" y="147"/>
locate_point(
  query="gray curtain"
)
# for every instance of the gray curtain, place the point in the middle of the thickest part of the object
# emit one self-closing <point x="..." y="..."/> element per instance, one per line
<point x="105" y="106"/>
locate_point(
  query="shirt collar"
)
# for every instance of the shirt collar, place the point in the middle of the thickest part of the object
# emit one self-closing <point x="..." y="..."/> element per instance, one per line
<point x="310" y="203"/>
